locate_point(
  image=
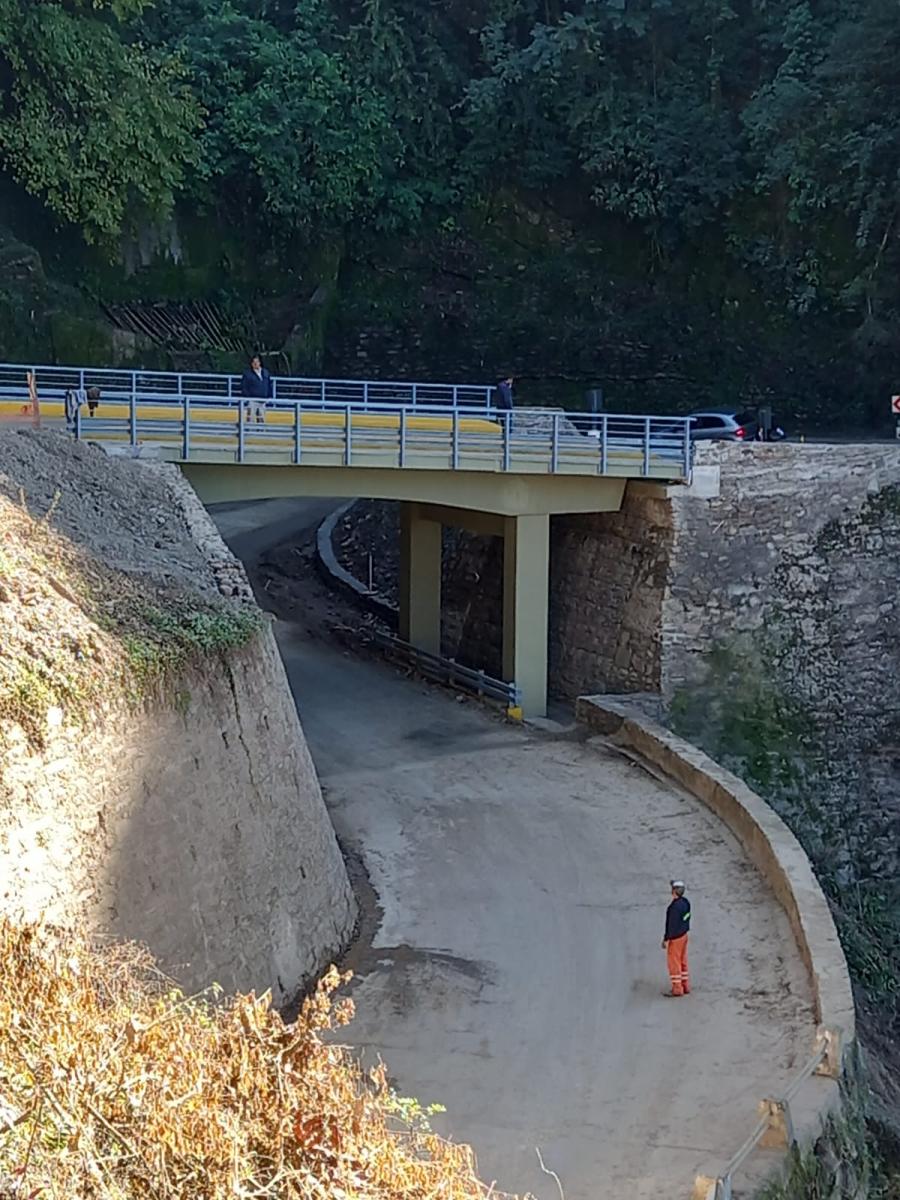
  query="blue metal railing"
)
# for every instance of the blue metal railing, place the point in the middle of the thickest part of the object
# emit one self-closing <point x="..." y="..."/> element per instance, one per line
<point x="53" y="381"/>
<point x="372" y="431"/>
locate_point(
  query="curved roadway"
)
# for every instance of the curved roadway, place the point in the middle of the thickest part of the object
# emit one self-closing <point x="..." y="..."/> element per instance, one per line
<point x="516" y="973"/>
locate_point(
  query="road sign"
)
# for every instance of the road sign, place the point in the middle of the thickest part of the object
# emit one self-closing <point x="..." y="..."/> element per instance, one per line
<point x="895" y="405"/>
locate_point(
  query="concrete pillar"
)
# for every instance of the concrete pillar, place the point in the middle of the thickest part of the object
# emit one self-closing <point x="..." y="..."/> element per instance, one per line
<point x="420" y="580"/>
<point x="526" y="587"/>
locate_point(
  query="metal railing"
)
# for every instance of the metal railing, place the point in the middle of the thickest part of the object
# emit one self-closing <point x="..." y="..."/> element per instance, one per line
<point x="397" y="436"/>
<point x="775" y="1127"/>
<point x="375" y="431"/>
<point x="449" y="671"/>
<point x="53" y="382"/>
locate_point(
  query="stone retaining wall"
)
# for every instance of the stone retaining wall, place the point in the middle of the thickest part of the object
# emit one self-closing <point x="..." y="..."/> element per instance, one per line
<point x="194" y="821"/>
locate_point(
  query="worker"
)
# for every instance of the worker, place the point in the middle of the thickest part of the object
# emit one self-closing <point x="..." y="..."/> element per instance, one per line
<point x="675" y="940"/>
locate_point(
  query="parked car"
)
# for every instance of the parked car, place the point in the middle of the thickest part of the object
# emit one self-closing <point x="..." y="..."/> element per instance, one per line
<point x="730" y="425"/>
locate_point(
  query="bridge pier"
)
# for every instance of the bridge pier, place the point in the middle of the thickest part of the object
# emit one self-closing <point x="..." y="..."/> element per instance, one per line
<point x="526" y="587"/>
<point x="420" y="579"/>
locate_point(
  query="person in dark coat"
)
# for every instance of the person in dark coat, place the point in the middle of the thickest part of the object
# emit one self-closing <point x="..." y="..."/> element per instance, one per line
<point x="505" y="394"/>
<point x="256" y="387"/>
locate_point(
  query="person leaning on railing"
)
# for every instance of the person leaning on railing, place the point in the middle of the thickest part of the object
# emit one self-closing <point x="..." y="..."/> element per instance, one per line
<point x="256" y="387"/>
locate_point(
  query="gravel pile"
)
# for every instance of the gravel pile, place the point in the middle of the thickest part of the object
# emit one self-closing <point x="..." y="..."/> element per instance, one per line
<point x="133" y="516"/>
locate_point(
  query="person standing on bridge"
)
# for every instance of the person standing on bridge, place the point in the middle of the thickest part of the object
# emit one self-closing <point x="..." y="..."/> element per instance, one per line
<point x="256" y="387"/>
<point x="675" y="940"/>
<point x="505" y="394"/>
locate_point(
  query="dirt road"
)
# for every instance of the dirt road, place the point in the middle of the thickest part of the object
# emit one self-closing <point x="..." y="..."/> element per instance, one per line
<point x="516" y="973"/>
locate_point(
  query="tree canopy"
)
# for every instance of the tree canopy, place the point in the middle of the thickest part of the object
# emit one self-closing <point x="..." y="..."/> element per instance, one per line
<point x="762" y="132"/>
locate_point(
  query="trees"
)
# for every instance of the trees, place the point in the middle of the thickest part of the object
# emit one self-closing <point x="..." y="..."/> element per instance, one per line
<point x="753" y="143"/>
<point x="97" y="127"/>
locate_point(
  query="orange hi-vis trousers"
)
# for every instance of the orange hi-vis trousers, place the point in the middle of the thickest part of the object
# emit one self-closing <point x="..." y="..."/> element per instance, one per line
<point x="677" y="955"/>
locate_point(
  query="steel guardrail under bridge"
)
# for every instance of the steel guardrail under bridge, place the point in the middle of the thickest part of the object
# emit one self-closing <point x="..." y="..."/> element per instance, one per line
<point x="448" y="671"/>
<point x="775" y="1128"/>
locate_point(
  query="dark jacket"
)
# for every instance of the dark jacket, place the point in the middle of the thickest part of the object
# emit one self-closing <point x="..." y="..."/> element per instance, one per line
<point x="257" y="387"/>
<point x="504" y="395"/>
<point x="678" y="918"/>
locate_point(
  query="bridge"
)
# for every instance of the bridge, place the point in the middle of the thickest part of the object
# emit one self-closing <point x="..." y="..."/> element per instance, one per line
<point x="445" y="451"/>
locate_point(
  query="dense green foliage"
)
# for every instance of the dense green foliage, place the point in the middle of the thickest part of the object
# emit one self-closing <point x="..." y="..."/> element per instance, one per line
<point x="743" y="154"/>
<point x="98" y="127"/>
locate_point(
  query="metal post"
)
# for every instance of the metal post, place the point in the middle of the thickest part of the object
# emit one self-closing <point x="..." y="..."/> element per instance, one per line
<point x="646" y="445"/>
<point x="297" y="428"/>
<point x="132" y="414"/>
<point x="274" y="383"/>
<point x="402" y="437"/>
<point x="80" y="379"/>
<point x="241" y="410"/>
<point x="455" y="396"/>
<point x="366" y="395"/>
<point x="414" y="396"/>
<point x="455" y="439"/>
<point x="348" y="436"/>
<point x="230" y="388"/>
<point x="179" y="381"/>
<point x="186" y="452"/>
<point x="554" y="445"/>
<point x="604" y="444"/>
<point x="687" y="448"/>
<point x="507" y="424"/>
<point x="322" y="391"/>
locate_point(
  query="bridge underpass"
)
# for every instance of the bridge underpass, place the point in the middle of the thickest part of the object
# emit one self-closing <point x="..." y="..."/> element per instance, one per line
<point x="512" y="969"/>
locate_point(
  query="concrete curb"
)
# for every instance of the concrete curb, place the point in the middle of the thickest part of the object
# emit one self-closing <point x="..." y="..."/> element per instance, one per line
<point x="339" y="578"/>
<point x="769" y="845"/>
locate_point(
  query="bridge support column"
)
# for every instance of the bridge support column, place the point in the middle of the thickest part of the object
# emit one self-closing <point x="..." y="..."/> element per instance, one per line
<point x="420" y="580"/>
<point x="526" y="592"/>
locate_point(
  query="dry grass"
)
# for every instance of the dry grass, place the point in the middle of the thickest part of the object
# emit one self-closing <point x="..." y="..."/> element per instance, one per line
<point x="113" y="1086"/>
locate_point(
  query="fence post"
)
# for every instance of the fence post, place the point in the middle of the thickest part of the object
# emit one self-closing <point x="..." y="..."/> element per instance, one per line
<point x="241" y="410"/>
<point x="348" y="436"/>
<point x="366" y="395"/>
<point x="402" y="437"/>
<point x="297" y="428"/>
<point x="507" y="426"/>
<point x="455" y="439"/>
<point x="646" y="446"/>
<point x="132" y="414"/>
<point x="554" y="445"/>
<point x="322" y="392"/>
<point x="186" y="450"/>
<point x="604" y="444"/>
<point x="415" y="388"/>
<point x="688" y="463"/>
